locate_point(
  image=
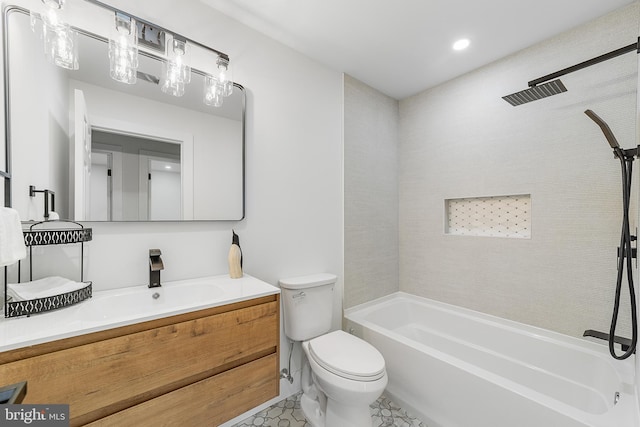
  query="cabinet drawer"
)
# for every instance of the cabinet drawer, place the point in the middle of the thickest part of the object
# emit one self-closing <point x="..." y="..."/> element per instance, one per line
<point x="209" y="402"/>
<point x="104" y="377"/>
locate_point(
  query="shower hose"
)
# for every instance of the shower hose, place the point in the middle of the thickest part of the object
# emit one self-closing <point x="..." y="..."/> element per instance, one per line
<point x="625" y="257"/>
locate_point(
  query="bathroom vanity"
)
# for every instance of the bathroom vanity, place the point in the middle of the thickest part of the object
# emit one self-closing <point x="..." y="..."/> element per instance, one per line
<point x="169" y="365"/>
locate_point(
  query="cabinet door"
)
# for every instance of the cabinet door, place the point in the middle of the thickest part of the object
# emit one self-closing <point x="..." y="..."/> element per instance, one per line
<point x="209" y="402"/>
<point x="105" y="377"/>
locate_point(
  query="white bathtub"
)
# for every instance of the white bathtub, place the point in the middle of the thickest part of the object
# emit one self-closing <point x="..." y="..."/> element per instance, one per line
<point x="124" y="306"/>
<point x="455" y="367"/>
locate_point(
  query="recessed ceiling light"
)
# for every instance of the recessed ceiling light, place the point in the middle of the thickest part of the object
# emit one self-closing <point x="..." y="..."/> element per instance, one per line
<point x="167" y="166"/>
<point x="461" y="44"/>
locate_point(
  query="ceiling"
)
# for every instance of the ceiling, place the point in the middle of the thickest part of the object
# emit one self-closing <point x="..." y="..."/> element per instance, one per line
<point x="402" y="47"/>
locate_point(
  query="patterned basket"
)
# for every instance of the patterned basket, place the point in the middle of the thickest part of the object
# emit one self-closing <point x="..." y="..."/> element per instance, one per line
<point x="54" y="302"/>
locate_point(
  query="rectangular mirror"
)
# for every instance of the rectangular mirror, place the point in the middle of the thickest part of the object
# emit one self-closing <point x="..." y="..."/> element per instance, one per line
<point x="109" y="151"/>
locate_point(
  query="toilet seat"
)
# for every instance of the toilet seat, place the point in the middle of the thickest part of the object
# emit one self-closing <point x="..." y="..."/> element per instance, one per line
<point x="347" y="356"/>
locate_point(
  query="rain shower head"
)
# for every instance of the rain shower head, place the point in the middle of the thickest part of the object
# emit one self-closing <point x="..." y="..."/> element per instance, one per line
<point x="613" y="142"/>
<point x="535" y="92"/>
<point x="538" y="90"/>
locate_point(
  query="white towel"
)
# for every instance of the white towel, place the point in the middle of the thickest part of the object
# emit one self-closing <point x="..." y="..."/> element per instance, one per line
<point x="41" y="288"/>
<point x="12" y="247"/>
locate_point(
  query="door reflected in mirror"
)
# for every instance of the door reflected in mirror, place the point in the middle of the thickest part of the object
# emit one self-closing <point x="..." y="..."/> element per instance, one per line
<point x="133" y="178"/>
<point x="117" y="152"/>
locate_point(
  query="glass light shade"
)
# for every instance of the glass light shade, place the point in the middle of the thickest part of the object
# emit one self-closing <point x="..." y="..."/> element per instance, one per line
<point x="60" y="41"/>
<point x="212" y="91"/>
<point x="176" y="74"/>
<point x="123" y="50"/>
<point x="61" y="46"/>
<point x="225" y="76"/>
<point x="219" y="85"/>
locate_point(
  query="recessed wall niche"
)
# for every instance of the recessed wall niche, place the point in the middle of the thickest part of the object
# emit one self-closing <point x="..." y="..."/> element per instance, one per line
<point x="495" y="216"/>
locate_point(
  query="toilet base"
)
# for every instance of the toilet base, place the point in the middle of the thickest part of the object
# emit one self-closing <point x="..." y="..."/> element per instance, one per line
<point x="335" y="414"/>
<point x="347" y="416"/>
<point x="312" y="411"/>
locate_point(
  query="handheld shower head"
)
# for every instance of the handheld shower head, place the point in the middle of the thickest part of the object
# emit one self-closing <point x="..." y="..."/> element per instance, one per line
<point x="605" y="129"/>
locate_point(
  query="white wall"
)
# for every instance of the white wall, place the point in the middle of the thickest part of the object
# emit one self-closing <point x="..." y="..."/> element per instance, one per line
<point x="461" y="139"/>
<point x="293" y="223"/>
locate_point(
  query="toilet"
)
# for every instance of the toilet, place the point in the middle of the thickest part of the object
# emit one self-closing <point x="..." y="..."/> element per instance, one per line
<point x="341" y="374"/>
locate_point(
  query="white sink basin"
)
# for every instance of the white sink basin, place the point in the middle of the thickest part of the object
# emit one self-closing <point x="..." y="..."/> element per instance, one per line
<point x="146" y="301"/>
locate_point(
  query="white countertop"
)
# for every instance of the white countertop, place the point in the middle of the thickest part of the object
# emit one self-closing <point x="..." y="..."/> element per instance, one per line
<point x="126" y="306"/>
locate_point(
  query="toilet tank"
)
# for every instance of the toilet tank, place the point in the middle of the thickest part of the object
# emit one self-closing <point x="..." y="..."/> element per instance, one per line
<point x="308" y="305"/>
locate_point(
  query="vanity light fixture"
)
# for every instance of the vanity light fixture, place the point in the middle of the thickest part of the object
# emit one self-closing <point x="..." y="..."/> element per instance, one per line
<point x="220" y="85"/>
<point x="123" y="50"/>
<point x="176" y="73"/>
<point x="59" y="40"/>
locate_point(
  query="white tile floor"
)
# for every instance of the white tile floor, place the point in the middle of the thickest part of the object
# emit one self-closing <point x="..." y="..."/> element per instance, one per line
<point x="287" y="413"/>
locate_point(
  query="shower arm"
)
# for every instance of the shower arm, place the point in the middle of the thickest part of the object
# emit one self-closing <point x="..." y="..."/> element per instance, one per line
<point x="587" y="63"/>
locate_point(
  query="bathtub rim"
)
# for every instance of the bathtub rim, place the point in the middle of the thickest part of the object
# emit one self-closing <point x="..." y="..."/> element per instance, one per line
<point x="361" y="310"/>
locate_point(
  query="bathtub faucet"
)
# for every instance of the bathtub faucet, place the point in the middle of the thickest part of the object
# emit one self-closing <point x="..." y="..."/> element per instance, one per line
<point x="155" y="265"/>
<point x="625" y="343"/>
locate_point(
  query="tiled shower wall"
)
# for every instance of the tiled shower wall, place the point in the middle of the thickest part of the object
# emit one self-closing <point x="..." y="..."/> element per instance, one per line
<point x="461" y="140"/>
<point x="370" y="193"/>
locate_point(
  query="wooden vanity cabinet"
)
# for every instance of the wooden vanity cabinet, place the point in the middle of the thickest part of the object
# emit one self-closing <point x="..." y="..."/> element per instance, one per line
<point x="195" y="369"/>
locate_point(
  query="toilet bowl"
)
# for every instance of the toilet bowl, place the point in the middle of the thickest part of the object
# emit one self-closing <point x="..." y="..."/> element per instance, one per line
<point x="342" y="374"/>
<point x="351" y="374"/>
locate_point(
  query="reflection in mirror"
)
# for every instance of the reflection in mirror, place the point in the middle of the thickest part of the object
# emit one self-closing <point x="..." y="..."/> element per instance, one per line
<point x="134" y="178"/>
<point x="112" y="151"/>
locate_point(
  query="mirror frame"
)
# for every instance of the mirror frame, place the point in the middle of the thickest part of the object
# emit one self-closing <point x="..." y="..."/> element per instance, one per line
<point x="6" y="169"/>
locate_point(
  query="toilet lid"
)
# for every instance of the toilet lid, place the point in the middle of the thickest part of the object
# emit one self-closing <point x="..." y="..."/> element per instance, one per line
<point x="347" y="356"/>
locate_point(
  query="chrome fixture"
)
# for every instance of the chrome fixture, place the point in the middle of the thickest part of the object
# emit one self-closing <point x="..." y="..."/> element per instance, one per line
<point x="155" y="266"/>
<point x="151" y="37"/>
<point x="285" y="373"/>
<point x="129" y="32"/>
<point x="123" y="50"/>
<point x="60" y="41"/>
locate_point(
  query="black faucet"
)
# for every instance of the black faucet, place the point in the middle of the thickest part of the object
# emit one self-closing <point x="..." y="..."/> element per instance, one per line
<point x="625" y="343"/>
<point x="155" y="265"/>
